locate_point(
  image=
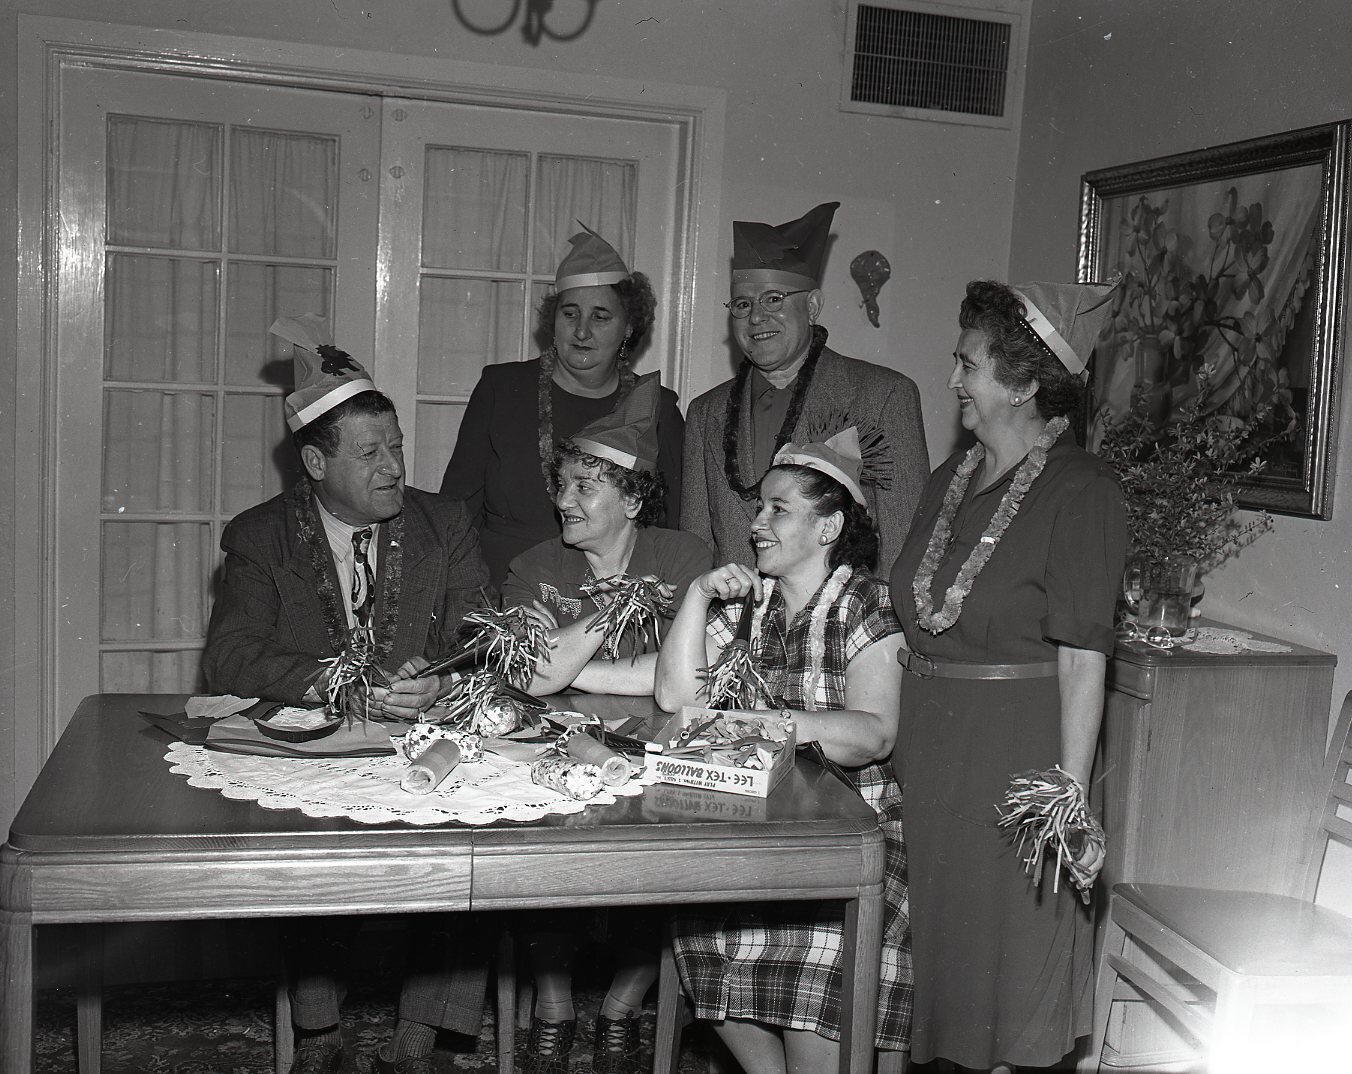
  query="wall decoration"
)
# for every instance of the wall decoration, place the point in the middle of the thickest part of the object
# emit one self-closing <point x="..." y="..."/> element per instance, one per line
<point x="870" y="271"/>
<point x="1233" y="263"/>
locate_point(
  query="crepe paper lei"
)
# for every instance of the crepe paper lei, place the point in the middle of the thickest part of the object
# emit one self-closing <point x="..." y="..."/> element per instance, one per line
<point x="316" y="542"/>
<point x="544" y="405"/>
<point x="816" y="634"/>
<point x="733" y="681"/>
<point x="634" y="608"/>
<point x="922" y="586"/>
<point x="1047" y="810"/>
<point x="733" y="416"/>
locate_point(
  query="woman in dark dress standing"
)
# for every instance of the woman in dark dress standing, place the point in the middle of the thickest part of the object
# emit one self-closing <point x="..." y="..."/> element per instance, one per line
<point x="1005" y="589"/>
<point x="597" y="317"/>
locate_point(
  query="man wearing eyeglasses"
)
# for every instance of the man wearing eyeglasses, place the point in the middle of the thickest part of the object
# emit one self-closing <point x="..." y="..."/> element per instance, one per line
<point x="792" y="387"/>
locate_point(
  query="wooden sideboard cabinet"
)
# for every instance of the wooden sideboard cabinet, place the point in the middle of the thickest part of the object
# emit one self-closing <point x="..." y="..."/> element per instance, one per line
<point x="1210" y="773"/>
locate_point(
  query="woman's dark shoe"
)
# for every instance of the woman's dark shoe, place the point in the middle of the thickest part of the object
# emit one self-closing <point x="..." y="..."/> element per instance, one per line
<point x="314" y="1057"/>
<point x="616" y="1047"/>
<point x="548" y="1046"/>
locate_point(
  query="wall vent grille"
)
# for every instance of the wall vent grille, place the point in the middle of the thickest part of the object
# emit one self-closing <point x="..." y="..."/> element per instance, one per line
<point x="933" y="61"/>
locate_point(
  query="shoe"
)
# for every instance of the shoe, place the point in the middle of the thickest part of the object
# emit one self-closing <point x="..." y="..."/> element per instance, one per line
<point x="413" y="1064"/>
<point x="616" y="1048"/>
<point x="318" y="1058"/>
<point x="548" y="1046"/>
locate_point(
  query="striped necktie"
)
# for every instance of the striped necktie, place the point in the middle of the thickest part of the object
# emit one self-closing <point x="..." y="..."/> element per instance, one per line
<point x="363" y="581"/>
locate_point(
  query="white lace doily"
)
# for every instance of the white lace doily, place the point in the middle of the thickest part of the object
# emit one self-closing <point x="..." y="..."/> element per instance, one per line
<point x="1225" y="642"/>
<point x="367" y="788"/>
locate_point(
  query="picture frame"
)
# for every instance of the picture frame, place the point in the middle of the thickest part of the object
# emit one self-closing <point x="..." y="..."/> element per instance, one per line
<point x="1233" y="266"/>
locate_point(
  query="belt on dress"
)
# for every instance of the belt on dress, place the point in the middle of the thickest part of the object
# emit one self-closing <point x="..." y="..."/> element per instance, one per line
<point x="922" y="667"/>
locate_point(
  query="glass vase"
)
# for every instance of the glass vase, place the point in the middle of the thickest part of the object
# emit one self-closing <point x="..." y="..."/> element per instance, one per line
<point x="1159" y="593"/>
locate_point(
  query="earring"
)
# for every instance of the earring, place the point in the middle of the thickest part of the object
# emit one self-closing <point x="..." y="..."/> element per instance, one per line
<point x="823" y="539"/>
<point x="1016" y="400"/>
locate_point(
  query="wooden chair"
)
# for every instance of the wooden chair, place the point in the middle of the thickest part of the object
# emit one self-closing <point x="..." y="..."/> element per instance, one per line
<point x="1248" y="950"/>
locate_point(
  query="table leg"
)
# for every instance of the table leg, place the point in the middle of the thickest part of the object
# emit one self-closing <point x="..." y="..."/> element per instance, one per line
<point x="862" y="959"/>
<point x="16" y="992"/>
<point x="89" y="1001"/>
<point x="667" y="1045"/>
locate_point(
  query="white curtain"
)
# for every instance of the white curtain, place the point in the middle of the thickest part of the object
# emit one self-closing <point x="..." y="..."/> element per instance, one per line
<point x="476" y="206"/>
<point x="193" y="429"/>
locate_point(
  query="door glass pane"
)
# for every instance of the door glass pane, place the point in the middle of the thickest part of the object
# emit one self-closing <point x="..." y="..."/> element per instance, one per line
<point x="599" y="193"/>
<point x="155" y="580"/>
<point x="474" y="209"/>
<point x="437" y="427"/>
<point x="258" y="295"/>
<point x="164" y="183"/>
<point x="284" y="193"/>
<point x="160" y="320"/>
<point x="158" y="451"/>
<point x="464" y="325"/>
<point x="174" y="672"/>
<point x="258" y="460"/>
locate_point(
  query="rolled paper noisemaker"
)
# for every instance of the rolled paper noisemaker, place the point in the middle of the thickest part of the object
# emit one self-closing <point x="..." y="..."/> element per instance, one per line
<point x="576" y="779"/>
<point x="615" y="767"/>
<point x="433" y="765"/>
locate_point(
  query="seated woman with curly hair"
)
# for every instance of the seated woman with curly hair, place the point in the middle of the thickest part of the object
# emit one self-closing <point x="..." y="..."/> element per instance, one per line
<point x="608" y="493"/>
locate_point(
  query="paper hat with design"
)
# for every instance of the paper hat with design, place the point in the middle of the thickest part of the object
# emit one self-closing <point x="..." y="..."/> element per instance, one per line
<point x="627" y="436"/>
<point x="591" y="262"/>
<point x="839" y="457"/>
<point x="325" y="376"/>
<point x="792" y="253"/>
<point x="1067" y="317"/>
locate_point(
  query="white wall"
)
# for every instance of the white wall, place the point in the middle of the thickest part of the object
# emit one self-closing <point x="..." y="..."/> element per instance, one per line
<point x="1111" y="82"/>
<point x="935" y="199"/>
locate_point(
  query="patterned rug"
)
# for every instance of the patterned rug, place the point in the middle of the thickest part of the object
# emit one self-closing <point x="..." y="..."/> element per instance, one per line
<point x="225" y="1027"/>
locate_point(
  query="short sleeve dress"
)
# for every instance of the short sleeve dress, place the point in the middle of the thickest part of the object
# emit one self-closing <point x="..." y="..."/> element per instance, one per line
<point x="554" y="573"/>
<point x="780" y="963"/>
<point x="1002" y="966"/>
<point x="495" y="468"/>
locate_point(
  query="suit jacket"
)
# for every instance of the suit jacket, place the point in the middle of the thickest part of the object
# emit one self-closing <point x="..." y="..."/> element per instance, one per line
<point x="279" y="610"/>
<point x="844" y="392"/>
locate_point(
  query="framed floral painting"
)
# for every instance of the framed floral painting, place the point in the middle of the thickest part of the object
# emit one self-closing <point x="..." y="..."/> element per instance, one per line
<point x="1232" y="263"/>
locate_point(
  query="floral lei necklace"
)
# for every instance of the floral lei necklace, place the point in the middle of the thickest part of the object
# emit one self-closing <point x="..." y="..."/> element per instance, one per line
<point x="922" y="586"/>
<point x="544" y="406"/>
<point x="816" y="634"/>
<point x="733" y="415"/>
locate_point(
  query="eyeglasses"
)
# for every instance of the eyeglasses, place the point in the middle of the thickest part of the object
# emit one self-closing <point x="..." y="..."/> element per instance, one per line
<point x="769" y="301"/>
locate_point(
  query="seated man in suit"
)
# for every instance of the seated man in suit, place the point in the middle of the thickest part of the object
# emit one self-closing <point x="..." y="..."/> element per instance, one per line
<point x="347" y="549"/>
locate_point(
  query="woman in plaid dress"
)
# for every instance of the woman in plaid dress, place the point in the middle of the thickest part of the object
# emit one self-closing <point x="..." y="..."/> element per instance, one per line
<point x="826" y="642"/>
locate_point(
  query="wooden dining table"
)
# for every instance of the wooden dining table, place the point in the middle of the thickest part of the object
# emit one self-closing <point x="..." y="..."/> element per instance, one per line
<point x="108" y="834"/>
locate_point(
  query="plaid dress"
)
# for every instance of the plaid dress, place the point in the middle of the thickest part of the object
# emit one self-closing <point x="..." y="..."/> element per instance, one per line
<point x="780" y="963"/>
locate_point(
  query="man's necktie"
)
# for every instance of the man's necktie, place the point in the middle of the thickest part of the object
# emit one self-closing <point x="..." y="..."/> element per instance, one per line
<point x="363" y="581"/>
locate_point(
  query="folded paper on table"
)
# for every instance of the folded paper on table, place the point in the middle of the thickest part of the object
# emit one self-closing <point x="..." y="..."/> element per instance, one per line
<point x="359" y="738"/>
<point x="433" y="765"/>
<point x="218" y="706"/>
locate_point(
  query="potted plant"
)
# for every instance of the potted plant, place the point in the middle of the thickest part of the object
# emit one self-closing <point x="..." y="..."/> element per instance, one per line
<point x="1179" y="482"/>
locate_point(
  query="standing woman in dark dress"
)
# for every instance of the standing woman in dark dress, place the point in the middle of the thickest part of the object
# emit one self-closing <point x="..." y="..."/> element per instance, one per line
<point x="597" y="317"/>
<point x="1005" y="589"/>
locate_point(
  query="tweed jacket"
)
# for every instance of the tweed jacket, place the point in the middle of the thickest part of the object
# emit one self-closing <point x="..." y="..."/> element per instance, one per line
<point x="272" y="623"/>
<point x="844" y="392"/>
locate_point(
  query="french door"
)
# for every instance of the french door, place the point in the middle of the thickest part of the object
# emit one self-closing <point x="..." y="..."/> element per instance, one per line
<point x="192" y="212"/>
